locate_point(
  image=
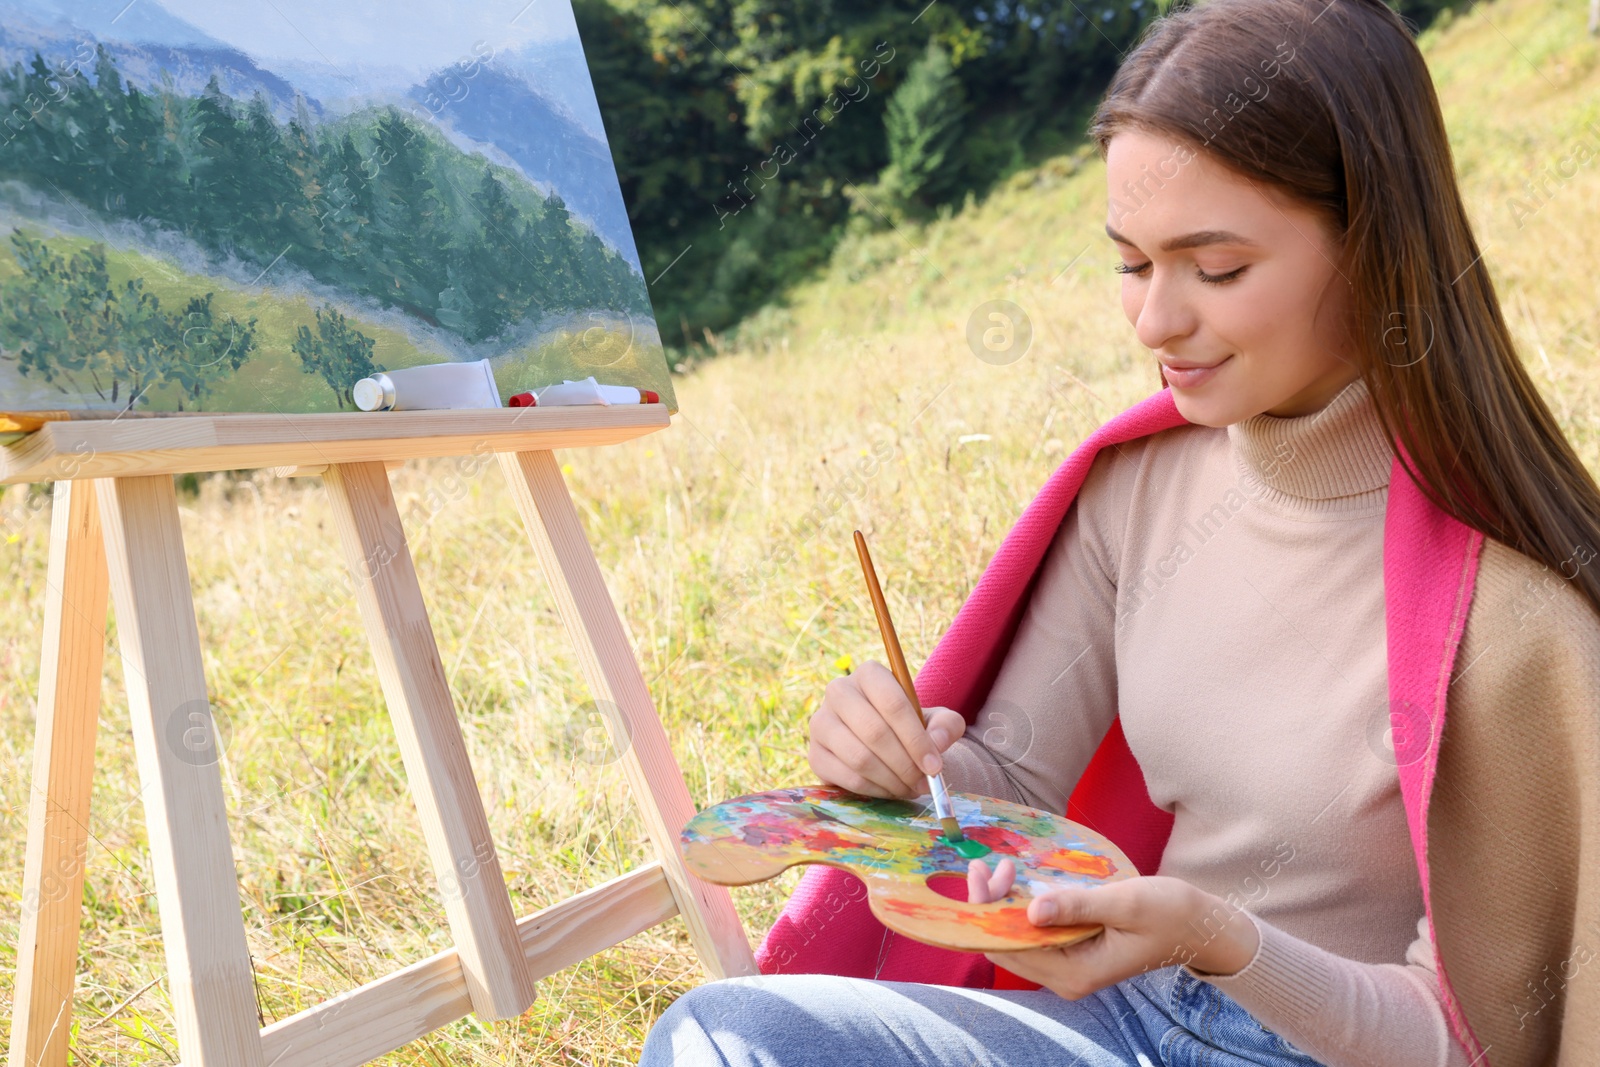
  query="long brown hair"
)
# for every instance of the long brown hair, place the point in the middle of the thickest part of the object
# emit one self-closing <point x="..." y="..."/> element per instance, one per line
<point x="1331" y="102"/>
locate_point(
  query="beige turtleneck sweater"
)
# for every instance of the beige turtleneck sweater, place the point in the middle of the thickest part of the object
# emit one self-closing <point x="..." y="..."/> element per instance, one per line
<point x="1222" y="591"/>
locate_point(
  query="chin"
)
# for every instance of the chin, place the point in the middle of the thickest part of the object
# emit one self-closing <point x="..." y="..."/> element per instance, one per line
<point x="1219" y="410"/>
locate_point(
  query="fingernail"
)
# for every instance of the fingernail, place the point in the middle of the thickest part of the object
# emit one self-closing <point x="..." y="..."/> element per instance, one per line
<point x="1047" y="910"/>
<point x="940" y="738"/>
<point x="931" y="763"/>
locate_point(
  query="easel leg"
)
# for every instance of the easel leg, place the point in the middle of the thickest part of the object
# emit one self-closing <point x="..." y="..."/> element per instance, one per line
<point x="197" y="888"/>
<point x="442" y="783"/>
<point x="612" y="670"/>
<point x="63" y="776"/>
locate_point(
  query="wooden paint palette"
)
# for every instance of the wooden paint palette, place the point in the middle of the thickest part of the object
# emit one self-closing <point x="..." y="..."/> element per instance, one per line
<point x="898" y="850"/>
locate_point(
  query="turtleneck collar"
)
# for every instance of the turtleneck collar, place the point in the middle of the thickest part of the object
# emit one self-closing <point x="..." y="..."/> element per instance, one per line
<point x="1335" y="453"/>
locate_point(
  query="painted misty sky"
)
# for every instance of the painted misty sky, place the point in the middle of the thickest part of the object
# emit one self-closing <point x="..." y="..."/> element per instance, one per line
<point x="390" y="38"/>
<point x="349" y="54"/>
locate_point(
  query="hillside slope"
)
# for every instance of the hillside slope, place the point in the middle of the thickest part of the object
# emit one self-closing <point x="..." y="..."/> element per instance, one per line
<point x="1519" y="82"/>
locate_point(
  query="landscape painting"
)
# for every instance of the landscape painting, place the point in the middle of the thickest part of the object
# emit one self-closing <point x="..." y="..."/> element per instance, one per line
<point x="250" y="207"/>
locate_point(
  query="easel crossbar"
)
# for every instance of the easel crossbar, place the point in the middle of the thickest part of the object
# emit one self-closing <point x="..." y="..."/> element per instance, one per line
<point x="381" y="1016"/>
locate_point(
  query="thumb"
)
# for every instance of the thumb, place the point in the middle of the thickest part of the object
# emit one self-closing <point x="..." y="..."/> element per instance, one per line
<point x="1065" y="907"/>
<point x="945" y="726"/>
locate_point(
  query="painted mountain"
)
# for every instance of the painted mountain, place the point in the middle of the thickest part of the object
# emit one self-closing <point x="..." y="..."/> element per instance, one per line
<point x="250" y="207"/>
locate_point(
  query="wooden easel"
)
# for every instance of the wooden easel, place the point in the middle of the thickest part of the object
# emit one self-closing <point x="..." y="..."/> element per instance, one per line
<point x="115" y="531"/>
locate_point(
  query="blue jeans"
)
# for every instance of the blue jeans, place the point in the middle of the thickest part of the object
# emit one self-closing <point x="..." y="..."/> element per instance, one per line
<point x="1163" y="1018"/>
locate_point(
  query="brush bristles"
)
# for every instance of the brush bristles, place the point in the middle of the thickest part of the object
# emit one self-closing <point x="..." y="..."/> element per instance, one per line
<point x="952" y="829"/>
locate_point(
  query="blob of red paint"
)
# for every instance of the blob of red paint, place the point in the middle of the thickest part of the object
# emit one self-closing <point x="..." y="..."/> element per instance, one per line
<point x="998" y="838"/>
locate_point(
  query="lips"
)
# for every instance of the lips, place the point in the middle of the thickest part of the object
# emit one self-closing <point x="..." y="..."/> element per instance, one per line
<point x="1182" y="374"/>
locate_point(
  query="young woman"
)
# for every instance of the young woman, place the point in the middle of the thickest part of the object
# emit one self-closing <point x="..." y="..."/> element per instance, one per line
<point x="1348" y="520"/>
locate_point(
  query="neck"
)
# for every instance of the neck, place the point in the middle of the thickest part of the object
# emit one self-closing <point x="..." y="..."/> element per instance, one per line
<point x="1316" y="396"/>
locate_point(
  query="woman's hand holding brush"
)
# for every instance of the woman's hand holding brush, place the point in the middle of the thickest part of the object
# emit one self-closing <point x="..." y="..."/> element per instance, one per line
<point x="867" y="738"/>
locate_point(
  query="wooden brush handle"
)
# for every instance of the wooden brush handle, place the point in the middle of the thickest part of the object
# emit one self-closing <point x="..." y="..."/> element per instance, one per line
<point x="891" y="643"/>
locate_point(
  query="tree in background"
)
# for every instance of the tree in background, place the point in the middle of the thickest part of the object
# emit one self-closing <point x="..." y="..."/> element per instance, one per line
<point x="698" y="95"/>
<point x="63" y="320"/>
<point x="53" y="317"/>
<point x="492" y="279"/>
<point x="208" y="347"/>
<point x="338" y="351"/>
<point x="407" y="212"/>
<point x="141" y="342"/>
<point x="922" y="126"/>
<point x="343" y="209"/>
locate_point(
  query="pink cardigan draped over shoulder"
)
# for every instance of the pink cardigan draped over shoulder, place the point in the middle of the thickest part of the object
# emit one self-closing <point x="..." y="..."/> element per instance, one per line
<point x="1429" y="563"/>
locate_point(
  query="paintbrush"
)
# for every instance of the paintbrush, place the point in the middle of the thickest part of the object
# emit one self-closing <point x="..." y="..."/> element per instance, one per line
<point x="897" y="663"/>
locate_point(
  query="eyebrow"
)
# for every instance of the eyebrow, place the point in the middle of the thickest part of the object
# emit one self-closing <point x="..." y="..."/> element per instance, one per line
<point x="1190" y="240"/>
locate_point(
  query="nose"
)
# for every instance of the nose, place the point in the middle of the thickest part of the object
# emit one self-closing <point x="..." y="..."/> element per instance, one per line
<point x="1162" y="313"/>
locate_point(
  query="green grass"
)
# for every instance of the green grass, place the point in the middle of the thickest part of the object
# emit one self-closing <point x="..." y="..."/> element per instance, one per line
<point x="778" y="445"/>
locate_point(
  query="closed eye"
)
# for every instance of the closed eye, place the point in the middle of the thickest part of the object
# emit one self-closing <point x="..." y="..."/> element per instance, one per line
<point x="1210" y="279"/>
<point x="1218" y="279"/>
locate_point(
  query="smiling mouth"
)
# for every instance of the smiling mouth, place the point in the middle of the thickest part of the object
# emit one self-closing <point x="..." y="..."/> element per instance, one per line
<point x="1189" y="375"/>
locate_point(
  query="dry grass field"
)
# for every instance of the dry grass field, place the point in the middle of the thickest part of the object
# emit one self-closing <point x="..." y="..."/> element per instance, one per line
<point x="726" y="541"/>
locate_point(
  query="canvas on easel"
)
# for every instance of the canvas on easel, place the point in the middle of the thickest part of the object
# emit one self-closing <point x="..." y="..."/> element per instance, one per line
<point x="248" y="208"/>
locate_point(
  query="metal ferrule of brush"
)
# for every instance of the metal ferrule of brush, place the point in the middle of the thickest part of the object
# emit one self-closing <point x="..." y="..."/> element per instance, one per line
<point x="941" y="799"/>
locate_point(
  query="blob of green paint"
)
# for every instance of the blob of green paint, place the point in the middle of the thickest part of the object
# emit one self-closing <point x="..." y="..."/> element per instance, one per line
<point x="966" y="847"/>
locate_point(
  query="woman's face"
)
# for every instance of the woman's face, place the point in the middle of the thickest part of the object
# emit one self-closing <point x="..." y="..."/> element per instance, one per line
<point x="1271" y="334"/>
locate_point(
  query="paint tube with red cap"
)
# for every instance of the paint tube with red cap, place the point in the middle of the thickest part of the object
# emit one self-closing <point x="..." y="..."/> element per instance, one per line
<point x="587" y="391"/>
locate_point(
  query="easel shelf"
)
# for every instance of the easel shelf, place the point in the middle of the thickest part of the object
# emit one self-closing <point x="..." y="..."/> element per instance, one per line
<point x="112" y="448"/>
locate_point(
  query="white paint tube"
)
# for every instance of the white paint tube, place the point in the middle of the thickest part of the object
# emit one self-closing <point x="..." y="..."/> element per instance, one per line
<point x="587" y="391"/>
<point x="438" y="385"/>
